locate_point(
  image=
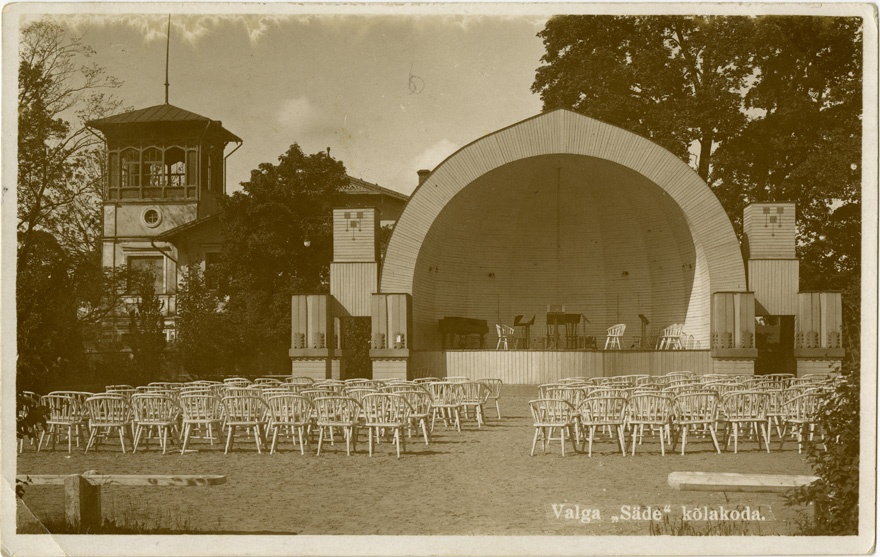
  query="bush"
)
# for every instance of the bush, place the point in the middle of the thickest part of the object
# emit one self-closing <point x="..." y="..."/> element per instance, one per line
<point x="31" y="417"/>
<point x="835" y="496"/>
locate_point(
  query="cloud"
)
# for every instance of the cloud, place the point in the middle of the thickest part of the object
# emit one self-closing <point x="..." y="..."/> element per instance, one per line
<point x="298" y="114"/>
<point x="192" y="27"/>
<point x="189" y="27"/>
<point x="434" y="155"/>
<point x="295" y="112"/>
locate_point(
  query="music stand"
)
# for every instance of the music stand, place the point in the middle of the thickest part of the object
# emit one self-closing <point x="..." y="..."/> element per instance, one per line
<point x="519" y="322"/>
<point x="586" y="321"/>
<point x="645" y="324"/>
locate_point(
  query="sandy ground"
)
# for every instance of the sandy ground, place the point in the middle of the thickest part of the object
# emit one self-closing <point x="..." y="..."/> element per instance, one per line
<point x="479" y="481"/>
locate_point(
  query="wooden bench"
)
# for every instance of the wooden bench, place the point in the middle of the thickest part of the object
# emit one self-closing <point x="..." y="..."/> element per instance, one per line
<point x="728" y="481"/>
<point x="82" y="492"/>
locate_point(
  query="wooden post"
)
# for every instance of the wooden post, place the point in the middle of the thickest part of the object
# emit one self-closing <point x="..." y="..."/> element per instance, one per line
<point x="82" y="503"/>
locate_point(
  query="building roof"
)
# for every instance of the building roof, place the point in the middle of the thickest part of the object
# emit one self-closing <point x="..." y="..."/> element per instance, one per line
<point x="159" y="114"/>
<point x="358" y="186"/>
<point x="177" y="231"/>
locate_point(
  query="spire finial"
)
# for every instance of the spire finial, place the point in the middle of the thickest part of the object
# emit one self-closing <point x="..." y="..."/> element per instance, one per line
<point x="167" y="50"/>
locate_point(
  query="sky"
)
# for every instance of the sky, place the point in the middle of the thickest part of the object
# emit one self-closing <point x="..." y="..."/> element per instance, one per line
<point x="388" y="94"/>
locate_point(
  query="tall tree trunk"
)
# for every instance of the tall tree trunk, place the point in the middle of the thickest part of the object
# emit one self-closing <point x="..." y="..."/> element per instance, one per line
<point x="705" y="155"/>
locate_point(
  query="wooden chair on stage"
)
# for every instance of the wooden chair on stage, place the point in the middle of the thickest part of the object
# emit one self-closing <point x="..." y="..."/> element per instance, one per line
<point x="615" y="333"/>
<point x="506" y="335"/>
<point x="670" y="338"/>
<point x="551" y="338"/>
<point x="555" y="313"/>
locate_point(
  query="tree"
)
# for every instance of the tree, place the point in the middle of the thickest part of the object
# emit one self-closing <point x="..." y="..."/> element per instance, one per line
<point x="265" y="260"/>
<point x="202" y="328"/>
<point x="355" y="333"/>
<point x="59" y="160"/>
<point x="59" y="189"/>
<point x="146" y="336"/>
<point x="804" y="145"/>
<point x="675" y="80"/>
<point x="48" y="334"/>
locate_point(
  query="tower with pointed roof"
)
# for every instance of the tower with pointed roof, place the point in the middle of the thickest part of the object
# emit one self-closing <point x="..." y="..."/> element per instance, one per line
<point x="165" y="170"/>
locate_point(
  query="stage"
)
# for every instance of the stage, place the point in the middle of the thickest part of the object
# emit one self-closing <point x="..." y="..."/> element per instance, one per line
<point x="566" y="229"/>
<point x="535" y="367"/>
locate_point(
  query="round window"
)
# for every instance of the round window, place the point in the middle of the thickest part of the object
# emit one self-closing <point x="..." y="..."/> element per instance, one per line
<point x="152" y="218"/>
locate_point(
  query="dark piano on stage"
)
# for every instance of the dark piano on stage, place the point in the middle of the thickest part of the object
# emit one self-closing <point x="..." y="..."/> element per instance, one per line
<point x="462" y="327"/>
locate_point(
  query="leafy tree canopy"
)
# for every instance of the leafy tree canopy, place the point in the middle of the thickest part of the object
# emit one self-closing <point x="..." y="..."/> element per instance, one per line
<point x="265" y="225"/>
<point x="47" y="333"/>
<point x="60" y="294"/>
<point x="264" y="262"/>
<point x="674" y="80"/>
<point x="60" y="163"/>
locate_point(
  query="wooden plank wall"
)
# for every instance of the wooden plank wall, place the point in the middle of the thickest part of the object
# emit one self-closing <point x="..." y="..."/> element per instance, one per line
<point x="805" y="366"/>
<point x="311" y="325"/>
<point x="391" y="316"/>
<point x="524" y="367"/>
<point x="775" y="283"/>
<point x="379" y="314"/>
<point x="832" y="319"/>
<point x="819" y="316"/>
<point x="723" y="320"/>
<point x="318" y="324"/>
<point x="397" y="323"/>
<point x="734" y="367"/>
<point x="428" y="363"/>
<point x="352" y="284"/>
<point x="354" y="238"/>
<point x="733" y="320"/>
<point x="299" y="326"/>
<point x="768" y="240"/>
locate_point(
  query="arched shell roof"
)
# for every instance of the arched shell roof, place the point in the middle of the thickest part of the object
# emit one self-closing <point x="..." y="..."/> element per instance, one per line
<point x="715" y="248"/>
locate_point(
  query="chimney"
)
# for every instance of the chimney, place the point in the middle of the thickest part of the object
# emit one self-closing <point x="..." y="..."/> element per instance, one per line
<point x="423" y="175"/>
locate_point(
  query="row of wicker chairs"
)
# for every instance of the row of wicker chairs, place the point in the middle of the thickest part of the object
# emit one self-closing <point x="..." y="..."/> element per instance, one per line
<point x="576" y="407"/>
<point x="181" y="412"/>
